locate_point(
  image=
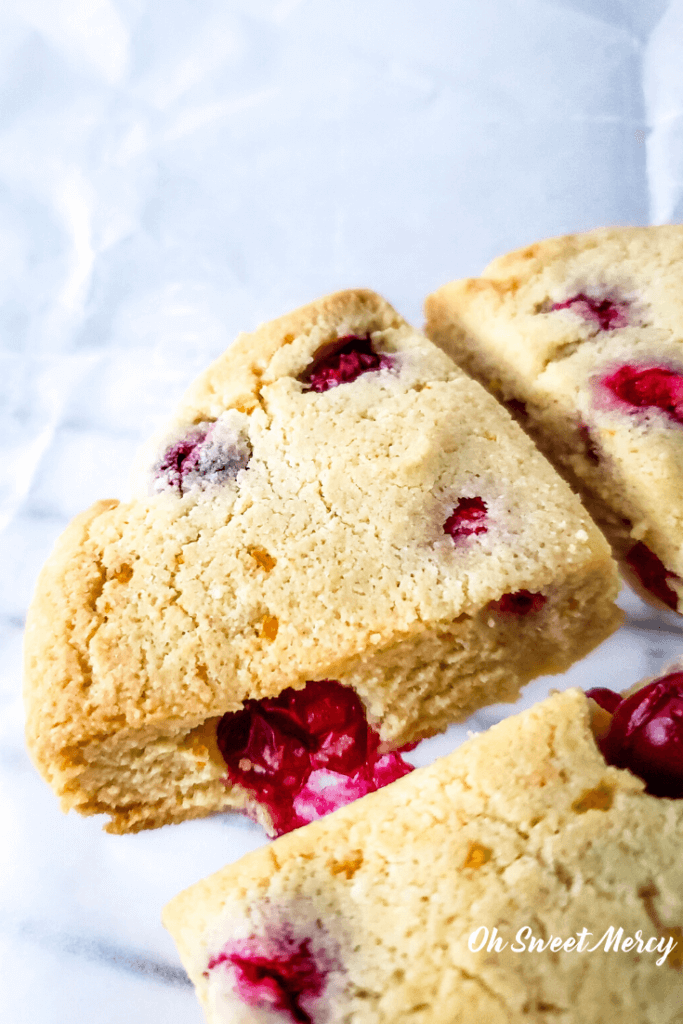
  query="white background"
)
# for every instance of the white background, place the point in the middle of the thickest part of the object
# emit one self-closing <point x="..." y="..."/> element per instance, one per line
<point x="172" y="173"/>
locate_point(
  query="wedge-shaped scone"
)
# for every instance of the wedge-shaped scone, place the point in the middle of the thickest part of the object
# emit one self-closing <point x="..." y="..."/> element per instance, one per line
<point x="520" y="880"/>
<point x="582" y="337"/>
<point x="335" y="500"/>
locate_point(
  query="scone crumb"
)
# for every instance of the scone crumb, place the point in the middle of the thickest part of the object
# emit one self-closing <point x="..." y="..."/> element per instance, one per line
<point x="124" y="574"/>
<point x="348" y="866"/>
<point x="477" y="855"/>
<point x="262" y="558"/>
<point x="598" y="799"/>
<point x="269" y="627"/>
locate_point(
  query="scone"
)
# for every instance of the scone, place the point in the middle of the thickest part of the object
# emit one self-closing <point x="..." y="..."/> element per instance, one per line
<point x="582" y="337"/>
<point x="341" y="545"/>
<point x="519" y="880"/>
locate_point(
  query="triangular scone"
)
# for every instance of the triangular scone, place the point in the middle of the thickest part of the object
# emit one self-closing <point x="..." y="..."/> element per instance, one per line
<point x="397" y="532"/>
<point x="490" y="887"/>
<point x="582" y="336"/>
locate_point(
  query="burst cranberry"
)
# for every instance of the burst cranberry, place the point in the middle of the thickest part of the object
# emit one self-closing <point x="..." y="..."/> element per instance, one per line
<point x="324" y="791"/>
<point x="607" y="699"/>
<point x="608" y="314"/>
<point x="522" y="602"/>
<point x="274" y="975"/>
<point x="179" y="459"/>
<point x="342" y="362"/>
<point x="653" y="387"/>
<point x="305" y="752"/>
<point x="208" y="454"/>
<point x="653" y="574"/>
<point x="646" y="736"/>
<point x="466" y="519"/>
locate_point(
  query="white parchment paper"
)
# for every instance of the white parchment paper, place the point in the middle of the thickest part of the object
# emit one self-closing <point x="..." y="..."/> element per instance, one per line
<point x="172" y="173"/>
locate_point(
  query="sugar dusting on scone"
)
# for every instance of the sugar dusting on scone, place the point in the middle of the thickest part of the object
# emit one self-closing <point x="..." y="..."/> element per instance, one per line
<point x="420" y="902"/>
<point x="582" y="337"/>
<point x="340" y="544"/>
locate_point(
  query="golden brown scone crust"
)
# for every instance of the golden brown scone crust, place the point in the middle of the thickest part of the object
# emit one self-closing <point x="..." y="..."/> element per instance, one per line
<point x="524" y="825"/>
<point x="546" y="364"/>
<point x="324" y="558"/>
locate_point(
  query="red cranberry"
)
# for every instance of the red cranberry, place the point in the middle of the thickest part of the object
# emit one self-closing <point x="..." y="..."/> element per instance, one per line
<point x="607" y="313"/>
<point x="522" y="602"/>
<point x="646" y="736"/>
<point x="653" y="574"/>
<point x="466" y="519"/>
<point x="653" y="387"/>
<point x="607" y="699"/>
<point x="274" y="975"/>
<point x="342" y="362"/>
<point x="305" y="752"/>
<point x="174" y="463"/>
<point x="201" y="457"/>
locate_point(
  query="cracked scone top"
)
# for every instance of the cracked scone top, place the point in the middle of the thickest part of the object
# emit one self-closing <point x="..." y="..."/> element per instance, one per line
<point x="385" y="911"/>
<point x="335" y="502"/>
<point x="583" y="337"/>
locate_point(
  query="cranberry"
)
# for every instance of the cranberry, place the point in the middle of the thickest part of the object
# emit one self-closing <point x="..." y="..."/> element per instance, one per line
<point x="342" y="362"/>
<point x="653" y="387"/>
<point x="646" y="736"/>
<point x="274" y="975"/>
<point x="522" y="602"/>
<point x="207" y="454"/>
<point x="466" y="519"/>
<point x="653" y="574"/>
<point x="305" y="752"/>
<point x="179" y="458"/>
<point x="608" y="314"/>
<point x="607" y="699"/>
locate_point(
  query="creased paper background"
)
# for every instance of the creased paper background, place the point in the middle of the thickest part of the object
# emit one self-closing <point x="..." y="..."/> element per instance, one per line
<point x="174" y="172"/>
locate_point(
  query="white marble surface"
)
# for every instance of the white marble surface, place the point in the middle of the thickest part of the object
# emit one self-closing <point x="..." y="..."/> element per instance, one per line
<point x="174" y="172"/>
